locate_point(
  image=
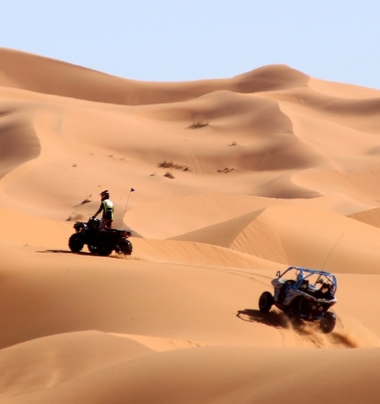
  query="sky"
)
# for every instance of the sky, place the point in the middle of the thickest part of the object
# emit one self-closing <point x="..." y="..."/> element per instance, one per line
<point x="174" y="40"/>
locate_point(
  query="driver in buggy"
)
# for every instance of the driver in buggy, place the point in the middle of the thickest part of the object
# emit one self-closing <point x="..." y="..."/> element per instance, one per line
<point x="106" y="206"/>
<point x="324" y="292"/>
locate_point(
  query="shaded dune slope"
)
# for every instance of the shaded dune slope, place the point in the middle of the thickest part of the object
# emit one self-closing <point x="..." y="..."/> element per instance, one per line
<point x="18" y="139"/>
<point x="370" y="216"/>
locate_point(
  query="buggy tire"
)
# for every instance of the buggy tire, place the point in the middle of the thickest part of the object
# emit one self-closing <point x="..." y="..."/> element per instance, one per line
<point x="266" y="302"/>
<point x="328" y="322"/>
<point x="294" y="313"/>
<point x="76" y="242"/>
<point x="294" y="310"/>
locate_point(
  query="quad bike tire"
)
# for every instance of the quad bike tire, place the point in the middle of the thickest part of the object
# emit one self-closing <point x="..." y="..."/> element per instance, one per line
<point x="266" y="301"/>
<point x="125" y="247"/>
<point x="104" y="243"/>
<point x="76" y="242"/>
<point x="328" y="322"/>
<point x="92" y="248"/>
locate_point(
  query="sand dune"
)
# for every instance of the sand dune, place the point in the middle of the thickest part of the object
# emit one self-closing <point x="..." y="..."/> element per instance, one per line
<point x="234" y="179"/>
<point x="50" y="76"/>
<point x="230" y="377"/>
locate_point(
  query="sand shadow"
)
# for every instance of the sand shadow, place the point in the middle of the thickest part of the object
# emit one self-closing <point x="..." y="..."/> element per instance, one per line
<point x="307" y="330"/>
<point x="273" y="318"/>
<point x="64" y="252"/>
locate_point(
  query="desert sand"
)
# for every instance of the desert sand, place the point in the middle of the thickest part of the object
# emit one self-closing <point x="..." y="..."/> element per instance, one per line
<point x="234" y="179"/>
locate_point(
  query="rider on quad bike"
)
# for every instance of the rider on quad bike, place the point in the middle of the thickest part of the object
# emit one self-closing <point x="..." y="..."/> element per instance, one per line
<point x="100" y="237"/>
<point x="106" y="206"/>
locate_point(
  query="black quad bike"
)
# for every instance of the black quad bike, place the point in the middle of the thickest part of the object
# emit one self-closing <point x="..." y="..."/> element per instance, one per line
<point x="100" y="242"/>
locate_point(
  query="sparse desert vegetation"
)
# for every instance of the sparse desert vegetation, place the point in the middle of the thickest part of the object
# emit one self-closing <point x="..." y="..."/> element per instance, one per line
<point x="85" y="201"/>
<point x="226" y="170"/>
<point x="75" y="216"/>
<point x="198" y="124"/>
<point x="168" y="174"/>
<point x="170" y="164"/>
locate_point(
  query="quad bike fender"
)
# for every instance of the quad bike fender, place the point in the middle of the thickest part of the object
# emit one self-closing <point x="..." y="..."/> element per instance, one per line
<point x="79" y="226"/>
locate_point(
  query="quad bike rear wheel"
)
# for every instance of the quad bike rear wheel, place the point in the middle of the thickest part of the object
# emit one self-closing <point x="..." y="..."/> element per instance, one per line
<point x="266" y="302"/>
<point x="76" y="242"/>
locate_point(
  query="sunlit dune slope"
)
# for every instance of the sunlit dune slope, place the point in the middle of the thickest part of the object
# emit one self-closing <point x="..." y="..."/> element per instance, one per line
<point x="48" y="292"/>
<point x="233" y="374"/>
<point x="311" y="238"/>
<point x="197" y="253"/>
<point x="55" y="77"/>
<point x="81" y="353"/>
<point x="272" y="132"/>
<point x="223" y="183"/>
<point x="26" y="229"/>
<point x="298" y="236"/>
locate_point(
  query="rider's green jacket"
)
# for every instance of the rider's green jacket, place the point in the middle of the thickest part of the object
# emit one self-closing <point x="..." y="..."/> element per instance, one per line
<point x="108" y="209"/>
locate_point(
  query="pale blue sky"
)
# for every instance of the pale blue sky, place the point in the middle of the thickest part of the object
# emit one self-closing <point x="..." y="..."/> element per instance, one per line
<point x="174" y="40"/>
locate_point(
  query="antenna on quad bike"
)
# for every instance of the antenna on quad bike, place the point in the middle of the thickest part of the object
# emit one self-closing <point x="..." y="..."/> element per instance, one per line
<point x="126" y="205"/>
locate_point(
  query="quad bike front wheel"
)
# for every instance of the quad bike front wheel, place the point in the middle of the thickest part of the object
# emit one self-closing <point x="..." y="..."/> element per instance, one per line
<point x="76" y="242"/>
<point x="328" y="322"/>
<point x="266" y="302"/>
<point x="125" y="247"/>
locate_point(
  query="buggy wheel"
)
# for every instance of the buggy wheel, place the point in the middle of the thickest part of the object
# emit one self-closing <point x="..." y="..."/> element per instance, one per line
<point x="76" y="242"/>
<point x="265" y="302"/>
<point x="328" y="322"/>
<point x="294" y="312"/>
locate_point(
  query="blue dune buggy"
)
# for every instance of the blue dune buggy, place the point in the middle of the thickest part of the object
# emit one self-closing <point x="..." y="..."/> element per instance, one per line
<point x="303" y="294"/>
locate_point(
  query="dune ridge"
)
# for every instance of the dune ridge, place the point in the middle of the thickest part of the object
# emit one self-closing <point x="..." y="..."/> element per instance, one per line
<point x="51" y="76"/>
<point x="223" y="182"/>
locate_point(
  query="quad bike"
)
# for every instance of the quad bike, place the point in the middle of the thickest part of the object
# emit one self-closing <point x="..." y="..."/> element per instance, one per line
<point x="100" y="242"/>
<point x="304" y="295"/>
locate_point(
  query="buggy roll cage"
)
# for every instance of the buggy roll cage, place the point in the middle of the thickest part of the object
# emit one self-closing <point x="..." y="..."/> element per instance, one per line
<point x="304" y="273"/>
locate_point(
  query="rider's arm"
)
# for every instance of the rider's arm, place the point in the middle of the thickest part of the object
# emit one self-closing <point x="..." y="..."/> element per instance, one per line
<point x="99" y="210"/>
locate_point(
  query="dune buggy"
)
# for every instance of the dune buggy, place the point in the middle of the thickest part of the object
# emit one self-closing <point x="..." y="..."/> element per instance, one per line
<point x="303" y="295"/>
